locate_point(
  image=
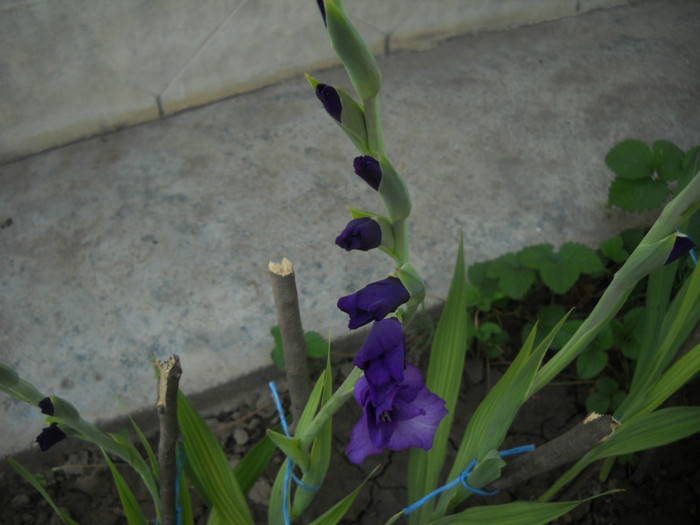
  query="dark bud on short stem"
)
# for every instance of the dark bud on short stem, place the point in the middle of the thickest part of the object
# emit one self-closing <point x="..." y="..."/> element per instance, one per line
<point x="49" y="437"/>
<point x="330" y="99"/>
<point x="368" y="168"/>
<point x="46" y="406"/>
<point x="360" y="234"/>
<point x="681" y="246"/>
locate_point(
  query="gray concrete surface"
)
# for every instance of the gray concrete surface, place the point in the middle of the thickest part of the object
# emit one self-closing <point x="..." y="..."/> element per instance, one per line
<point x="155" y="239"/>
<point x="70" y="69"/>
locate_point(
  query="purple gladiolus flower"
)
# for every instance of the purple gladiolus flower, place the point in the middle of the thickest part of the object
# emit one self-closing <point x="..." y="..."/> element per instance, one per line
<point x="46" y="406"/>
<point x="360" y="234"/>
<point x="374" y="302"/>
<point x="322" y="8"/>
<point x="368" y="168"/>
<point x="49" y="437"/>
<point x="681" y="246"/>
<point x="330" y="99"/>
<point x="406" y="415"/>
<point x="383" y="356"/>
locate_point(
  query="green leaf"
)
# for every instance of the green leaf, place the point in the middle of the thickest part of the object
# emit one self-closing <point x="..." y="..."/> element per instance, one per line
<point x="581" y="257"/>
<point x="561" y="270"/>
<point x="638" y="195"/>
<point x="668" y="159"/>
<point x="34" y="481"/>
<point x="337" y="511"/>
<point x="209" y="464"/>
<point x="444" y="379"/>
<point x="691" y="166"/>
<point x="631" y="159"/>
<point x="598" y="402"/>
<point x="614" y="249"/>
<point x="291" y="448"/>
<point x="132" y="511"/>
<point x="277" y="353"/>
<point x="591" y="362"/>
<point x="514" y="279"/>
<point x="316" y="345"/>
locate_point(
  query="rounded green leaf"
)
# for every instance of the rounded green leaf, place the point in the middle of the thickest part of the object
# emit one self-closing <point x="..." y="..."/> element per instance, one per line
<point x="638" y="195"/>
<point x="631" y="159"/>
<point x="614" y="249"/>
<point x="590" y="363"/>
<point x="668" y="159"/>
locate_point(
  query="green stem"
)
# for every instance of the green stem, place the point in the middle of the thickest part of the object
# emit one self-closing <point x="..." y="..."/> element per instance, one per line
<point x="401" y="242"/>
<point x="327" y="411"/>
<point x="375" y="135"/>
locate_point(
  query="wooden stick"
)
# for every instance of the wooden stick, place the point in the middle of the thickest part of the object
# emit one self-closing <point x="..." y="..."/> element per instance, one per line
<point x="169" y="378"/>
<point x="284" y="290"/>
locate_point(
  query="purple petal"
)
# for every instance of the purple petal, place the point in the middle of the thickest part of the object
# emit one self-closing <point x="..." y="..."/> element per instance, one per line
<point x="368" y="168"/>
<point x="383" y="354"/>
<point x="374" y="302"/>
<point x="360" y="445"/>
<point x="330" y="99"/>
<point x="360" y="234"/>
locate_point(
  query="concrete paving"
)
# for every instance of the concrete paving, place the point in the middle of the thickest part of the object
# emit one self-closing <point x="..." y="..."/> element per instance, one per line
<point x="155" y="239"/>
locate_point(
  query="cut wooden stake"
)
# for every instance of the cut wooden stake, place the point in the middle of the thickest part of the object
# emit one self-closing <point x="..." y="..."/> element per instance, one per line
<point x="567" y="448"/>
<point x="169" y="373"/>
<point x="284" y="290"/>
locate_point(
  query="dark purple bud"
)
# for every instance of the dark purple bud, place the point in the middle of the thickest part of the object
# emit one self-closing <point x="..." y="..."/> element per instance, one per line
<point x="322" y="8"/>
<point x="681" y="246"/>
<point x="383" y="356"/>
<point x="368" y="168"/>
<point x="46" y="406"/>
<point x="330" y="99"/>
<point x="360" y="234"/>
<point x="49" y="437"/>
<point x="405" y="415"/>
<point x="374" y="302"/>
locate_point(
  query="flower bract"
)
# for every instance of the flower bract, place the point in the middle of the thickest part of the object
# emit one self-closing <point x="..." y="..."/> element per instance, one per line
<point x="374" y="302"/>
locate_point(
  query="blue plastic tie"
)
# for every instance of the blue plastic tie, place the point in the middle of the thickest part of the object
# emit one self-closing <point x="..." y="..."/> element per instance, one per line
<point x="289" y="474"/>
<point x="462" y="478"/>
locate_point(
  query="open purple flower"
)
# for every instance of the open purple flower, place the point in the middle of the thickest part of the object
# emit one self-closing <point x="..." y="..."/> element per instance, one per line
<point x="49" y="437"/>
<point x="374" y="302"/>
<point x="406" y="415"/>
<point x="330" y="99"/>
<point x="383" y="356"/>
<point x="360" y="234"/>
<point x="368" y="168"/>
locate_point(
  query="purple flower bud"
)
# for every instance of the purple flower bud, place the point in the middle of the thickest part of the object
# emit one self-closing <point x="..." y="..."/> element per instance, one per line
<point x="322" y="8"/>
<point x="405" y="415"/>
<point x="46" y="406"/>
<point x="360" y="234"/>
<point x="49" y="437"/>
<point x="383" y="356"/>
<point x="368" y="168"/>
<point x="330" y="99"/>
<point x="681" y="246"/>
<point x="374" y="302"/>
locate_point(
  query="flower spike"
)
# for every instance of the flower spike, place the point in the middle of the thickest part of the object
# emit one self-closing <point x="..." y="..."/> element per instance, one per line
<point x="360" y="234"/>
<point x="374" y="302"/>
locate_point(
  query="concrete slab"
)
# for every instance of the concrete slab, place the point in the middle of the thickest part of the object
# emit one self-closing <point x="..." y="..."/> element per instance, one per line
<point x="71" y="69"/>
<point x="155" y="239"/>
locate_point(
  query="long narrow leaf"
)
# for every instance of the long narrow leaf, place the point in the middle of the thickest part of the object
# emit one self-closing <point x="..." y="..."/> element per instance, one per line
<point x="337" y="511"/>
<point x="444" y="379"/>
<point x="132" y="511"/>
<point x="37" y="485"/>
<point x="208" y="462"/>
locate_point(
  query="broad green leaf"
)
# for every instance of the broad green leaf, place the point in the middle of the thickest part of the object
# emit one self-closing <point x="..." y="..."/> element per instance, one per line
<point x="444" y="379"/>
<point x="337" y="511"/>
<point x="311" y="406"/>
<point x="638" y="195"/>
<point x="668" y="159"/>
<point x="631" y="159"/>
<point x="316" y="345"/>
<point x="277" y="353"/>
<point x="691" y="166"/>
<point x="38" y="486"/>
<point x="591" y="362"/>
<point x="210" y="466"/>
<point x="581" y="257"/>
<point x="614" y="249"/>
<point x="132" y="511"/>
<point x="514" y="279"/>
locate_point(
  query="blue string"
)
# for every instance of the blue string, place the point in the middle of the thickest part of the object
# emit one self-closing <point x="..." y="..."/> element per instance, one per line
<point x="462" y="478"/>
<point x="289" y="473"/>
